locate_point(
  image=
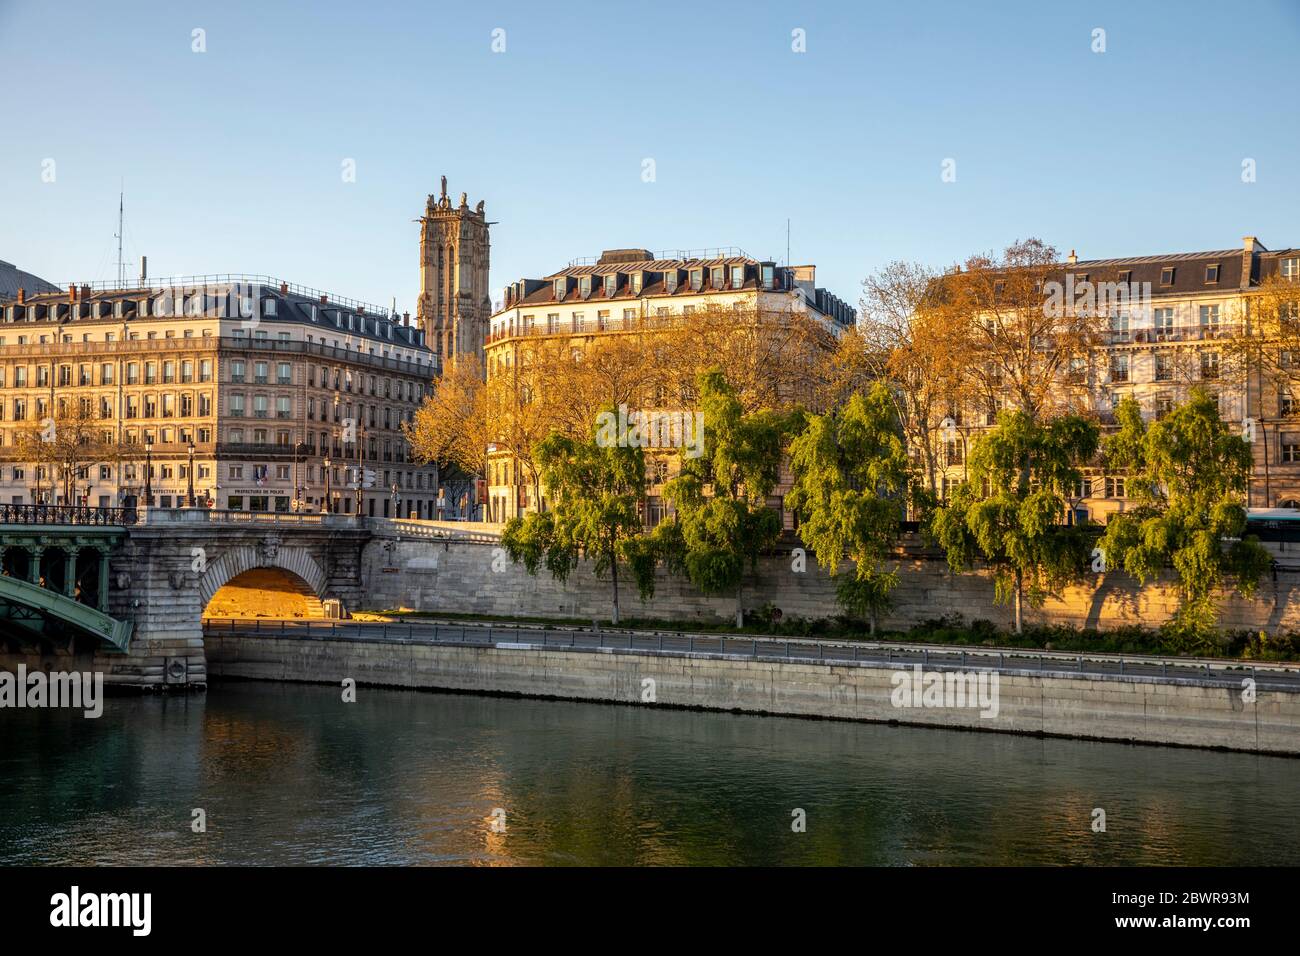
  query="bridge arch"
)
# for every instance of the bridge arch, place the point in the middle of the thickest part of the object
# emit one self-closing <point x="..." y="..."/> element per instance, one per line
<point x="239" y="566"/>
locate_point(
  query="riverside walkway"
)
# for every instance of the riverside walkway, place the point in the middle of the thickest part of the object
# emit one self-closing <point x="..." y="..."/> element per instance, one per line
<point x="1227" y="674"/>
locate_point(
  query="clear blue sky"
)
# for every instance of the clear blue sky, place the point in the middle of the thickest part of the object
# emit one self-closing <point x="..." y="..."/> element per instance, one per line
<point x="232" y="158"/>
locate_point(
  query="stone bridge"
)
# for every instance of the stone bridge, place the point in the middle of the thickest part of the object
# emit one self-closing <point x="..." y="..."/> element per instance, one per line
<point x="125" y="593"/>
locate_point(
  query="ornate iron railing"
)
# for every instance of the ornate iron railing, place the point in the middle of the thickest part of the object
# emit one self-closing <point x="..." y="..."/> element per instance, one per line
<point x="66" y="515"/>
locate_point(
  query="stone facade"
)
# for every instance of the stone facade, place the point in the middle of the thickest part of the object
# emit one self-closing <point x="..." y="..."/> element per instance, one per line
<point x="248" y="392"/>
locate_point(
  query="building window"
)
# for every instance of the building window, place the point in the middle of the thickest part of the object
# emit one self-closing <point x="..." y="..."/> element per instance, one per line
<point x="1164" y="367"/>
<point x="1291" y="268"/>
<point x="1167" y="275"/>
<point x="1212" y="274"/>
<point x="670" y="280"/>
<point x="611" y="285"/>
<point x="737" y="276"/>
<point x="1119" y="368"/>
<point x="1164" y="324"/>
<point x="1209" y="321"/>
<point x="1209" y="365"/>
<point x="1164" y="405"/>
<point x="1115" y="488"/>
<point x="1290" y="449"/>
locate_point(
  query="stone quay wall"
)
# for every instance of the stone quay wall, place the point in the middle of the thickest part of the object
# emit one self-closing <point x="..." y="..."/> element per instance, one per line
<point x="477" y="578"/>
<point x="1109" y="707"/>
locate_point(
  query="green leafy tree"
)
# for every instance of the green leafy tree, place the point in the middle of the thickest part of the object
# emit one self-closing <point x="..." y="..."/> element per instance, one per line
<point x="1012" y="509"/>
<point x="850" y="482"/>
<point x="1188" y="473"/>
<point x="723" y="519"/>
<point x="595" y="486"/>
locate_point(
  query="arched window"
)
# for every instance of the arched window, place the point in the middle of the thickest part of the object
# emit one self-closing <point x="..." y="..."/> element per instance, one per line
<point x="1289" y="503"/>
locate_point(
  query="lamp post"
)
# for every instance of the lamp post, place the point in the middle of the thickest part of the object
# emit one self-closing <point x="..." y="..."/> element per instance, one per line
<point x="148" y="472"/>
<point x="329" y="508"/>
<point x="360" y="437"/>
<point x="189" y="474"/>
<point x="397" y="502"/>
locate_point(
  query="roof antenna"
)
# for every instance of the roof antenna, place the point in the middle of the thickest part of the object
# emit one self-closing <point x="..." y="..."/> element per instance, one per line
<point x="787" y="240"/>
<point x="121" y="266"/>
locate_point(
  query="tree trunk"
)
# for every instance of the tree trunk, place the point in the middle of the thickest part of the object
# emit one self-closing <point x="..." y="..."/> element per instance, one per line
<point x="871" y="623"/>
<point x="613" y="564"/>
<point x="1019" y="587"/>
<point x="740" y="607"/>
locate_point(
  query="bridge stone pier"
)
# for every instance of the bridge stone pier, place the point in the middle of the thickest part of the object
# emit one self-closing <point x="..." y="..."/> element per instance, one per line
<point x="170" y="566"/>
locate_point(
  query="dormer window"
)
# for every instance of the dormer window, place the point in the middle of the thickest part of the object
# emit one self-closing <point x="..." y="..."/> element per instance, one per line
<point x="1290" y="269"/>
<point x="737" y="276"/>
<point x="611" y="286"/>
<point x="697" y="279"/>
<point x="560" y="289"/>
<point x="584" y="286"/>
<point x="715" y="277"/>
<point x="1212" y="273"/>
<point x="1167" y="275"/>
<point x="769" y="276"/>
<point x="1125" y="275"/>
<point x="636" y="283"/>
<point x="670" y="280"/>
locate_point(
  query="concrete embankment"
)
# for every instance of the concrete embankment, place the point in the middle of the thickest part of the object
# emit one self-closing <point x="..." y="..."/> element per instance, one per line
<point x="1103" y="707"/>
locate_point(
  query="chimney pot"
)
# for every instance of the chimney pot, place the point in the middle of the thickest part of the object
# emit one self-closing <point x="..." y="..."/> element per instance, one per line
<point x="1073" y="258"/>
<point x="284" y="288"/>
<point x="72" y="293"/>
<point x="22" y="295"/>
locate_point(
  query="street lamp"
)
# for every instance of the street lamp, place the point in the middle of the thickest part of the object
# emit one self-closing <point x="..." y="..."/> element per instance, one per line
<point x="397" y="502"/>
<point x="359" y="437"/>
<point x="190" y="476"/>
<point x="148" y="472"/>
<point x="328" y="506"/>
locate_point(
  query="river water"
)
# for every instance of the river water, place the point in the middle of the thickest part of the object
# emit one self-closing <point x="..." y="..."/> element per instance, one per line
<point x="291" y="774"/>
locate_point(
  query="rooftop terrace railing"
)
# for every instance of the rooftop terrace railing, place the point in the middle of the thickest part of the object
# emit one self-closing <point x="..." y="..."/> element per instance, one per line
<point x="161" y="283"/>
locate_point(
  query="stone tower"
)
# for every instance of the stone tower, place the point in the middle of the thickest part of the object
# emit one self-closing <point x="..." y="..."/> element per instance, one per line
<point x="454" y="301"/>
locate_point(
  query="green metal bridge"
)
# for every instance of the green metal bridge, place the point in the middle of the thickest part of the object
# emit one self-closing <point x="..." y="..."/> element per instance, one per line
<point x="54" y="574"/>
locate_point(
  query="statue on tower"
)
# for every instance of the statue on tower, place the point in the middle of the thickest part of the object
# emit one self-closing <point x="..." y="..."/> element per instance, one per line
<point x="444" y="188"/>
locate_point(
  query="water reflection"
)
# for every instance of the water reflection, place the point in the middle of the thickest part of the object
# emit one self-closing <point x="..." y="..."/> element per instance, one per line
<point x="290" y="774"/>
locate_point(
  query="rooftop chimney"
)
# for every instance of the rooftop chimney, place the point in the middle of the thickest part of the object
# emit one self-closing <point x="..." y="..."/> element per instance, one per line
<point x="1073" y="258"/>
<point x="284" y="288"/>
<point x="72" y="293"/>
<point x="144" y="271"/>
<point x="1250" y="246"/>
<point x="22" y="295"/>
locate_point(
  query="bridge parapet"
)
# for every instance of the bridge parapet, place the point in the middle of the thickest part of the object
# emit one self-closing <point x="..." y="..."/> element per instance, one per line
<point x="168" y="517"/>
